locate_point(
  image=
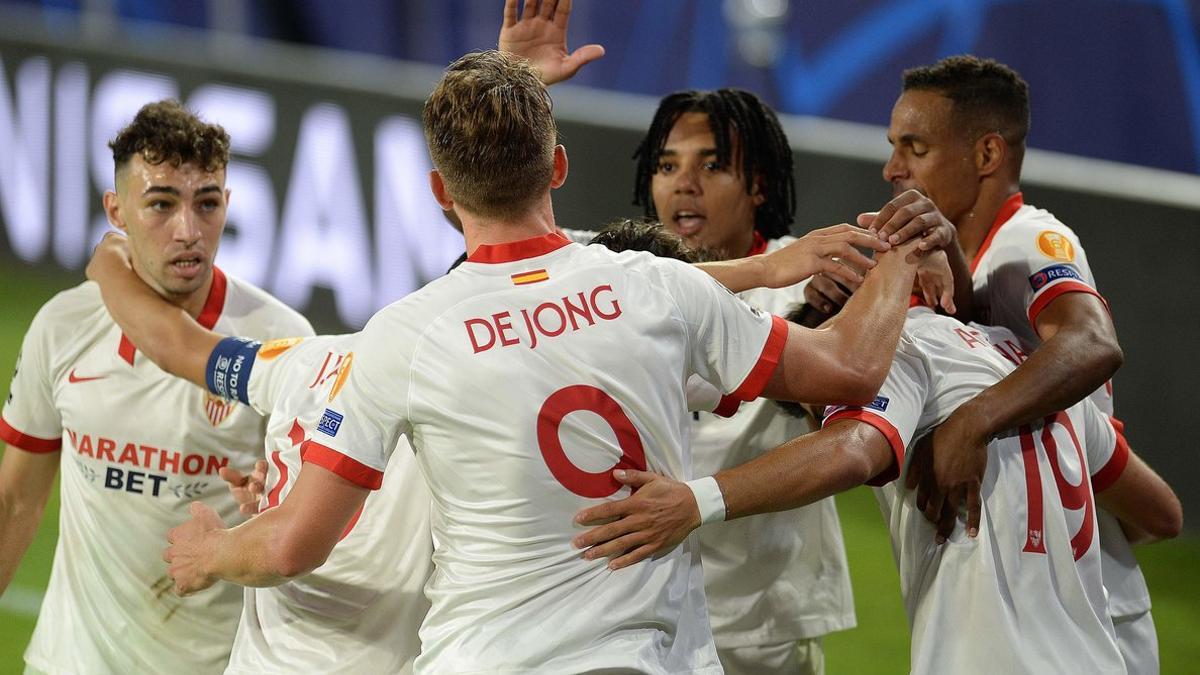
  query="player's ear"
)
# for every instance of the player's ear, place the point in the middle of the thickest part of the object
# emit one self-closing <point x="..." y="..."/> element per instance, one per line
<point x="757" y="194"/>
<point x="990" y="151"/>
<point x="560" y="167"/>
<point x="112" y="209"/>
<point x="438" y="187"/>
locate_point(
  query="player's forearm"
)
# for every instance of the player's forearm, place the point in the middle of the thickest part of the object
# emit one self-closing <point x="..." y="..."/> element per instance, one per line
<point x="865" y="336"/>
<point x="25" y="483"/>
<point x="804" y="470"/>
<point x="1063" y="371"/>
<point x="737" y="275"/>
<point x="18" y="524"/>
<point x="166" y="334"/>
<point x="260" y="552"/>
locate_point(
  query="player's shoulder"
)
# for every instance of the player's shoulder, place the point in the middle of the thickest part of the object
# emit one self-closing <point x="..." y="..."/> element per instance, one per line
<point x="249" y="308"/>
<point x="1033" y="226"/>
<point x="70" y="310"/>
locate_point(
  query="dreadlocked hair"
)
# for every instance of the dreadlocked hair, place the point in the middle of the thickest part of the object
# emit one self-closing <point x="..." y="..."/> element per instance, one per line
<point x="762" y="146"/>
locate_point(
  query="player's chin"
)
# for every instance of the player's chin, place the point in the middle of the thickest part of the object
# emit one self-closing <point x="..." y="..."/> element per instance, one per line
<point x="182" y="279"/>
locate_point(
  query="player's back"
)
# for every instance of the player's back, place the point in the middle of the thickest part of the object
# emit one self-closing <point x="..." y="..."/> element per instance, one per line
<point x="525" y="376"/>
<point x="360" y="610"/>
<point x="1028" y="587"/>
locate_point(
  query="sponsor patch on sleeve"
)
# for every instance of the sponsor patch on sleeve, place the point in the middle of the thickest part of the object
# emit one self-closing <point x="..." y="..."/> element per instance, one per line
<point x="330" y="423"/>
<point x="1053" y="273"/>
<point x="1056" y="246"/>
<point x="880" y="403"/>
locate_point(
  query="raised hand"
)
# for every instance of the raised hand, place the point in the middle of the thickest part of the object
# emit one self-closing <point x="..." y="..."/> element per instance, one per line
<point x="911" y="214"/>
<point x="829" y="251"/>
<point x="656" y="517"/>
<point x="540" y="35"/>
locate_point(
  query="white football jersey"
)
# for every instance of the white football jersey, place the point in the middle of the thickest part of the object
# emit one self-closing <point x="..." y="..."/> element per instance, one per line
<point x="523" y="378"/>
<point x="1027" y="260"/>
<point x="773" y="577"/>
<point x="358" y="612"/>
<point x="1026" y="595"/>
<point x="137" y="447"/>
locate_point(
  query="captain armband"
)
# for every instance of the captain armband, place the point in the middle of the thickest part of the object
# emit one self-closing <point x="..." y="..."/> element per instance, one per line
<point x="228" y="372"/>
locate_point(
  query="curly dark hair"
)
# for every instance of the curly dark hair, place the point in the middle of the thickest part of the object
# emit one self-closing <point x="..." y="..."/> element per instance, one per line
<point x="763" y="146"/>
<point x="988" y="96"/>
<point x="165" y="131"/>
<point x="627" y="234"/>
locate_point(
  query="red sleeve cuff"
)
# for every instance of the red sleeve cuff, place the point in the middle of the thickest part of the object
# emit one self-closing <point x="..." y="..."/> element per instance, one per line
<point x="1054" y="292"/>
<point x="728" y="406"/>
<point x="347" y="467"/>
<point x="26" y="442"/>
<point x="1111" y="471"/>
<point x="761" y="373"/>
<point x="889" y="432"/>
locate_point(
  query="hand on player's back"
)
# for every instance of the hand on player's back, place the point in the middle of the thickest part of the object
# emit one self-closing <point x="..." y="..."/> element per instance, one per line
<point x="947" y="470"/>
<point x="655" y="518"/>
<point x="540" y="35"/>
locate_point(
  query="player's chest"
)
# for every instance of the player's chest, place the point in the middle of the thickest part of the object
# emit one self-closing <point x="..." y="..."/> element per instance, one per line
<point x="137" y="421"/>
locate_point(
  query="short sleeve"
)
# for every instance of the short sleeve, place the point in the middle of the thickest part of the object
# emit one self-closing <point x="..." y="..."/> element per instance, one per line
<point x="30" y="420"/>
<point x="1106" y="448"/>
<point x="733" y="346"/>
<point x="1042" y="265"/>
<point x="895" y="412"/>
<point x="358" y="425"/>
<point x="704" y="397"/>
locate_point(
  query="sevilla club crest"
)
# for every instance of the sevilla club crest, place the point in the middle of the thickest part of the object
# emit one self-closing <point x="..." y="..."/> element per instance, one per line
<point x="216" y="409"/>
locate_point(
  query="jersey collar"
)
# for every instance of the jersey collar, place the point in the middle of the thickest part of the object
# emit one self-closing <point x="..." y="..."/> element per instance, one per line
<point x="213" y="304"/>
<point x="759" y="245"/>
<point x="1010" y="206"/>
<point x="512" y="251"/>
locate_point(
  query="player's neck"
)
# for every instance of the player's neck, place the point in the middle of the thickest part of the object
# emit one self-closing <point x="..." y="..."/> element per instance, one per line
<point x="973" y="226"/>
<point x="192" y="303"/>
<point x="536" y="222"/>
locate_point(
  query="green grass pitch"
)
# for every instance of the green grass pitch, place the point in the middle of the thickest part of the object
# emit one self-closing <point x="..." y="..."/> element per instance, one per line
<point x="878" y="645"/>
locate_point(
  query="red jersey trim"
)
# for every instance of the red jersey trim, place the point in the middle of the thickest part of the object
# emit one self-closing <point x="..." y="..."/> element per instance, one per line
<point x="1112" y="470"/>
<point x="1054" y="292"/>
<point x="889" y="432"/>
<point x="213" y="305"/>
<point x="1007" y="209"/>
<point x="26" y="442"/>
<point x="727" y="407"/>
<point x="518" y="250"/>
<point x="347" y="467"/>
<point x="758" y="246"/>
<point x="753" y="385"/>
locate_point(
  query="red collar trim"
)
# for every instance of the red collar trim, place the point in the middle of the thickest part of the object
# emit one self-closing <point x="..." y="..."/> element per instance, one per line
<point x="518" y="250"/>
<point x="759" y="245"/>
<point x="915" y="300"/>
<point x="1010" y="206"/>
<point x="213" y="305"/>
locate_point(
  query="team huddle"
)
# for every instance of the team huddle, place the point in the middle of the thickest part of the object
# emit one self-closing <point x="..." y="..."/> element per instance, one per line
<point x="581" y="452"/>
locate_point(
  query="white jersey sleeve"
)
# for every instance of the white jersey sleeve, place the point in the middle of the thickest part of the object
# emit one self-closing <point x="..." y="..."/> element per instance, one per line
<point x="739" y="346"/>
<point x="1033" y="260"/>
<point x="896" y="411"/>
<point x="1107" y="450"/>
<point x="31" y="420"/>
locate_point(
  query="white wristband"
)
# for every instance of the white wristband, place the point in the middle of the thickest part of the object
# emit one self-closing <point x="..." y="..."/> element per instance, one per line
<point x="708" y="498"/>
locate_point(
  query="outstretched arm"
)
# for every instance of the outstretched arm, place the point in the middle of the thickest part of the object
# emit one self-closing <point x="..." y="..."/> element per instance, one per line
<point x="283" y="543"/>
<point x="540" y="35"/>
<point x="166" y="334"/>
<point x="663" y="511"/>
<point x="830" y="250"/>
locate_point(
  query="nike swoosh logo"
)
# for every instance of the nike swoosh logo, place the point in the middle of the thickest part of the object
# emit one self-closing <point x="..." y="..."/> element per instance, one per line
<point x="74" y="379"/>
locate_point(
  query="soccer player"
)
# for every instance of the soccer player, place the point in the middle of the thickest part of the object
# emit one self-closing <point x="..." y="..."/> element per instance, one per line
<point x="1025" y="595"/>
<point x="522" y="377"/>
<point x="716" y="168"/>
<point x="958" y="135"/>
<point x="135" y="445"/>
<point x="359" y="612"/>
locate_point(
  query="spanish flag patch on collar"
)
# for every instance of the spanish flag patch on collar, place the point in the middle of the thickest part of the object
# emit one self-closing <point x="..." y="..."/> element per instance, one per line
<point x="531" y="277"/>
